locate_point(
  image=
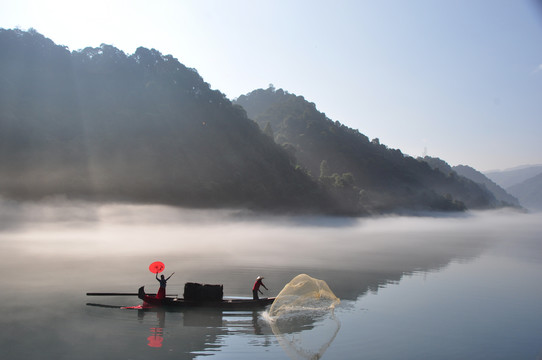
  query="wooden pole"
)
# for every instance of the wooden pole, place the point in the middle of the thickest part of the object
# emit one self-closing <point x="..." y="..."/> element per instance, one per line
<point x="119" y="294"/>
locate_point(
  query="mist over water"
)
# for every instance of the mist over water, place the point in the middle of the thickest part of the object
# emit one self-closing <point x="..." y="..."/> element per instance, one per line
<point x="53" y="252"/>
<point x="116" y="242"/>
<point x="124" y="238"/>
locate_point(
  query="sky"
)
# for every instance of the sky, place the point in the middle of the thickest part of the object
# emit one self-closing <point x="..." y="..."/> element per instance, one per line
<point x="459" y="80"/>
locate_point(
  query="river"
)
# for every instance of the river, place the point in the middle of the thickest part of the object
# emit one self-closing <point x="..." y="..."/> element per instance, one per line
<point x="411" y="287"/>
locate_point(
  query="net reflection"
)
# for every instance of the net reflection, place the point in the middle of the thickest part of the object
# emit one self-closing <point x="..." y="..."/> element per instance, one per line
<point x="306" y="334"/>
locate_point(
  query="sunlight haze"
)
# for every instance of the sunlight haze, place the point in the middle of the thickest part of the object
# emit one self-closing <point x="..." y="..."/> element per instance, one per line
<point x="459" y="80"/>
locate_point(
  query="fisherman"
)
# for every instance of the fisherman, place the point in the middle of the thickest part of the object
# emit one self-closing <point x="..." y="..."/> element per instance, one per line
<point x="256" y="287"/>
<point x="163" y="282"/>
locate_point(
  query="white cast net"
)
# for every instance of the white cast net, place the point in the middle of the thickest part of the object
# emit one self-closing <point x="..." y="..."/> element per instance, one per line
<point x="303" y="293"/>
<point x="302" y="318"/>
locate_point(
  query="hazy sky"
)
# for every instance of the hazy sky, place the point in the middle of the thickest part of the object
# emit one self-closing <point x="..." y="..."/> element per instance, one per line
<point x="460" y="80"/>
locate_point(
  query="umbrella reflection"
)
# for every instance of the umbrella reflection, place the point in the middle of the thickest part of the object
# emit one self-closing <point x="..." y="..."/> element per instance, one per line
<point x="157" y="337"/>
<point x="157" y="332"/>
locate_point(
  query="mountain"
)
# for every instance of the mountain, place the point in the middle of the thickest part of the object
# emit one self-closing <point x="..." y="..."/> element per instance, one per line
<point x="500" y="194"/>
<point x="103" y="125"/>
<point x="529" y="192"/>
<point x="510" y="177"/>
<point x="366" y="172"/>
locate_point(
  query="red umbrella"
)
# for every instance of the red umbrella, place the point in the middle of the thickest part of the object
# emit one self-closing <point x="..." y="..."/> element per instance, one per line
<point x="157" y="267"/>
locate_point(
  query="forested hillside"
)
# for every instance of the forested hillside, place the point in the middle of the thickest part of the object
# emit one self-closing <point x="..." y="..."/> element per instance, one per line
<point x="382" y="178"/>
<point x="100" y="124"/>
<point x="103" y="125"/>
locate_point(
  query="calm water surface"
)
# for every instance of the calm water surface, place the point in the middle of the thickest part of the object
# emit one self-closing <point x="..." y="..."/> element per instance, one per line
<point x="410" y="287"/>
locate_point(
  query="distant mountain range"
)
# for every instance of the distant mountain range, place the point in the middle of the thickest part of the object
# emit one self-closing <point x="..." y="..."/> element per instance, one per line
<point x="525" y="183"/>
<point x="468" y="172"/>
<point x="102" y="125"/>
<point x="514" y="176"/>
<point x="529" y="192"/>
<point x="476" y="176"/>
<point x="517" y="187"/>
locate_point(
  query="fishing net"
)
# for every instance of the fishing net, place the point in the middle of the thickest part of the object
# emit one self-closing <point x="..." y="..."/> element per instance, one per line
<point x="301" y="294"/>
<point x="302" y="317"/>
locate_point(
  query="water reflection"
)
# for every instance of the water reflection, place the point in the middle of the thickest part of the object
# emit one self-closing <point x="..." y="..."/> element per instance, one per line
<point x="157" y="332"/>
<point x="108" y="248"/>
<point x="306" y="335"/>
<point x="156" y="338"/>
<point x="186" y="333"/>
<point x="193" y="332"/>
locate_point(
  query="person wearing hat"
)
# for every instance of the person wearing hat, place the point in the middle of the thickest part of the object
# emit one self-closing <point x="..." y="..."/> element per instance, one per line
<point x="256" y="287"/>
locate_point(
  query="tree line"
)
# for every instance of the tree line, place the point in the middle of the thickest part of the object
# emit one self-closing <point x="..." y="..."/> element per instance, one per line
<point x="361" y="171"/>
<point x="100" y="124"/>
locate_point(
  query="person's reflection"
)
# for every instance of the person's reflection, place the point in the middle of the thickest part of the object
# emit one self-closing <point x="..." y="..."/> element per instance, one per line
<point x="157" y="333"/>
<point x="259" y="329"/>
<point x="257" y="326"/>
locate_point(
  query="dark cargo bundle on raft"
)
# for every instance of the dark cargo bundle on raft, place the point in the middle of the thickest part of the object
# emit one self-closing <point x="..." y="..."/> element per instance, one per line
<point x="203" y="292"/>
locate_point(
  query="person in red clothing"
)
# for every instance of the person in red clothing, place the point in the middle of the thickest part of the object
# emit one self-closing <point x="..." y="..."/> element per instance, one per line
<point x="163" y="282"/>
<point x="256" y="287"/>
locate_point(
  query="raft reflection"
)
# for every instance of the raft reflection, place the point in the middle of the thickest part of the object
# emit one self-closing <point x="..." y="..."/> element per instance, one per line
<point x="302" y="335"/>
<point x="193" y="332"/>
